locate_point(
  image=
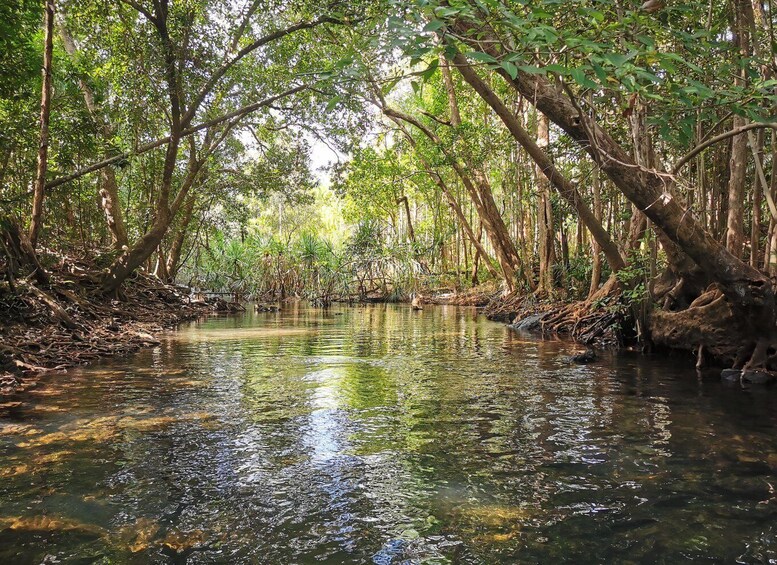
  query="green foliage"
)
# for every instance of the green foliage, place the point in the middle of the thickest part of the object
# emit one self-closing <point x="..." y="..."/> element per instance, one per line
<point x="20" y="51"/>
<point x="263" y="221"/>
<point x="634" y="281"/>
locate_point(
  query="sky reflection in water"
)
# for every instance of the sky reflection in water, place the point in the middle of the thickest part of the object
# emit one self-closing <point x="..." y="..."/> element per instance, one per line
<point x="382" y="435"/>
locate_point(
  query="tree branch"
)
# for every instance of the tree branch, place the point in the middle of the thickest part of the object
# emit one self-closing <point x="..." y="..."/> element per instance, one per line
<point x="718" y="138"/>
<point x="221" y="71"/>
<point x="146" y="147"/>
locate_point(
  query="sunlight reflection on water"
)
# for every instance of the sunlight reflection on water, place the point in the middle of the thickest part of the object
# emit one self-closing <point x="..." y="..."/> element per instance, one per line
<point x="378" y="434"/>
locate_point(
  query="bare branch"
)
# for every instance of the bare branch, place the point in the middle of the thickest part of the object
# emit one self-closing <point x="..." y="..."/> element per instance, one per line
<point x="139" y="7"/>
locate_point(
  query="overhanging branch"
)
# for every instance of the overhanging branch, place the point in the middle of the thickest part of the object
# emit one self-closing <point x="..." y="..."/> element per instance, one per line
<point x="146" y="147"/>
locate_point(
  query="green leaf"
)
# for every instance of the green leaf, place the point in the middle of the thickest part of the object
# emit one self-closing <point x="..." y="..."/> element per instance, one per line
<point x="333" y="102"/>
<point x="579" y="76"/>
<point x="389" y="86"/>
<point x="511" y="69"/>
<point x="344" y="62"/>
<point x="446" y="12"/>
<point x="434" y="25"/>
<point x="482" y="57"/>
<point x="616" y="59"/>
<point x="556" y="68"/>
<point x="532" y="70"/>
<point x="429" y="72"/>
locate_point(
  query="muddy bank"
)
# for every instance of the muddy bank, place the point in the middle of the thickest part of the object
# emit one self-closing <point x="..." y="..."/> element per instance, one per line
<point x="601" y="321"/>
<point x="708" y="331"/>
<point x="69" y="322"/>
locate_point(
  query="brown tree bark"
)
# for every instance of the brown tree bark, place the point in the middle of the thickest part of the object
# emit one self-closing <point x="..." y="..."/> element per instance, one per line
<point x="109" y="188"/>
<point x="39" y="191"/>
<point x="735" y="236"/>
<point x="544" y="215"/>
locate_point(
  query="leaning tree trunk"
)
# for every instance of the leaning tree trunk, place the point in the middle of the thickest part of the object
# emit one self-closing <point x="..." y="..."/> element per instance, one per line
<point x="45" y="113"/>
<point x="482" y="195"/>
<point x="750" y="293"/>
<point x="452" y="201"/>
<point x="109" y="188"/>
<point x="564" y="187"/>
<point x="136" y="255"/>
<point x="482" y="198"/>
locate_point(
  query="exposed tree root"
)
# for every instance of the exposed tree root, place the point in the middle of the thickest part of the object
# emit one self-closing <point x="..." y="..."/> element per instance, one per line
<point x="68" y="321"/>
<point x="594" y="321"/>
<point x="710" y="327"/>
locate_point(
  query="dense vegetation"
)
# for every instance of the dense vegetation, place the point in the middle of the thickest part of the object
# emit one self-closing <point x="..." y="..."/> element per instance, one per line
<point x="617" y="153"/>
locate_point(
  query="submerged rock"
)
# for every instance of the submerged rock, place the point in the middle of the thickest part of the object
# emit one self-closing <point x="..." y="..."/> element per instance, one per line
<point x="758" y="377"/>
<point x="588" y="356"/>
<point x="529" y="323"/>
<point x="730" y="375"/>
<point x="751" y="376"/>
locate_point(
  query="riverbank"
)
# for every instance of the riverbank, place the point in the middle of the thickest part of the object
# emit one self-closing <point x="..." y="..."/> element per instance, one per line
<point x="602" y="325"/>
<point x="69" y="322"/>
<point x="600" y="321"/>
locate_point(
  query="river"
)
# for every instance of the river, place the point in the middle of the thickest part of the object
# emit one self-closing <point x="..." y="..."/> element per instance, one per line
<point x="377" y="434"/>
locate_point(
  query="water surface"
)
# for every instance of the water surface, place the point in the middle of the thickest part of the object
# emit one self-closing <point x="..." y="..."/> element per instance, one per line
<point x="382" y="435"/>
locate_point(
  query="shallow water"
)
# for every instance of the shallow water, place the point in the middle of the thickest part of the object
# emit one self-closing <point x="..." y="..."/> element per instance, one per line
<point x="382" y="435"/>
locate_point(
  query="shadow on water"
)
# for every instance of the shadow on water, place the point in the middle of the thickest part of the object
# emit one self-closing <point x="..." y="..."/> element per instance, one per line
<point x="378" y="434"/>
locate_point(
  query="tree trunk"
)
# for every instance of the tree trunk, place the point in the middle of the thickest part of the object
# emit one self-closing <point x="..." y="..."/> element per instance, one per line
<point x="735" y="237"/>
<point x="544" y="215"/>
<point x="410" y="232"/>
<point x="45" y="113"/>
<point x="477" y="257"/>
<point x="160" y="269"/>
<point x="109" y="188"/>
<point x="770" y="256"/>
<point x="748" y="291"/>
<point x="174" y="257"/>
<point x="596" y="265"/>
<point x="135" y="256"/>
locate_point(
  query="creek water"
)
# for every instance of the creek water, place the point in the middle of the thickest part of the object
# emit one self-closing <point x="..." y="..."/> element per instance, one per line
<point x="382" y="435"/>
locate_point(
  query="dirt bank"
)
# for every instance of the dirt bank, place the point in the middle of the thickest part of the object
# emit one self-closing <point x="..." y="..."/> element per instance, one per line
<point x="68" y="322"/>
